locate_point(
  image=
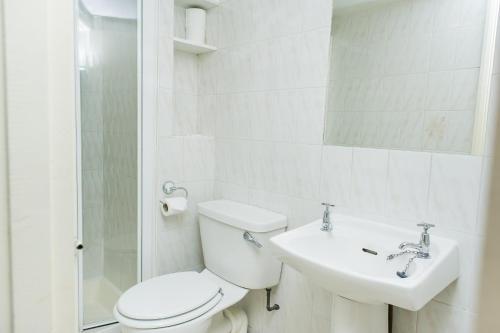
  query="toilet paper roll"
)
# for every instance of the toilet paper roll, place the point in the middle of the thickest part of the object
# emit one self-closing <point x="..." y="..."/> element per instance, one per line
<point x="195" y="24"/>
<point x="173" y="206"/>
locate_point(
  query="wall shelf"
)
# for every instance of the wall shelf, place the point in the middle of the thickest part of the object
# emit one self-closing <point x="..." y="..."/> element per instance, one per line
<point x="205" y="4"/>
<point x="192" y="47"/>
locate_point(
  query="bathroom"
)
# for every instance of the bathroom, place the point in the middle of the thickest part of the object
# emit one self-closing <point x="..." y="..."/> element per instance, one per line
<point x="122" y="124"/>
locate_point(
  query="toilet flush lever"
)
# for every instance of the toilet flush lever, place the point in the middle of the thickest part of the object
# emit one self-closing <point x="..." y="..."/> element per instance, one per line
<point x="250" y="238"/>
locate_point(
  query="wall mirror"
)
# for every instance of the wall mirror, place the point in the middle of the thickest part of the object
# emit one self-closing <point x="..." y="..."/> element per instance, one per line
<point x="410" y="74"/>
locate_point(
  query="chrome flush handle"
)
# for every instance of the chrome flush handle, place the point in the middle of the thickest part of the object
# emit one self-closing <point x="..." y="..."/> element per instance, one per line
<point x="250" y="238"/>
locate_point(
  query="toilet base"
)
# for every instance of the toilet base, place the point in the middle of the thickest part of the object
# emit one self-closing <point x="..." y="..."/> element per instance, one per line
<point x="230" y="320"/>
<point x="221" y="322"/>
<point x="200" y="327"/>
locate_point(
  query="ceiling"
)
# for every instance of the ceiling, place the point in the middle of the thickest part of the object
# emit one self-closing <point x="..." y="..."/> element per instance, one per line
<point x="123" y="9"/>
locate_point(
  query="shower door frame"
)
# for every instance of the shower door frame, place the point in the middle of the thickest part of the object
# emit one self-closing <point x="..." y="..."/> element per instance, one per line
<point x="146" y="143"/>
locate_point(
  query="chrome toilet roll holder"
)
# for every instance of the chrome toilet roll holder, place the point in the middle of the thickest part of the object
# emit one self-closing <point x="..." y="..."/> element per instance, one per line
<point x="169" y="188"/>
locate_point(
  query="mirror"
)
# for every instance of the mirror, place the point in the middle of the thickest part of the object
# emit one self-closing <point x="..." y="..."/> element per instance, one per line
<point x="405" y="74"/>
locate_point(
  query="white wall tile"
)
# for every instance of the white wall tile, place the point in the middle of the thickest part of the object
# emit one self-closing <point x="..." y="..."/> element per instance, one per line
<point x="404" y="321"/>
<point x="165" y="18"/>
<point x="271" y="201"/>
<point x="233" y="162"/>
<point x="297" y="318"/>
<point x="206" y="112"/>
<point x="165" y="119"/>
<point x="179" y="22"/>
<point x="473" y="12"/>
<point x="303" y="181"/>
<point x="251" y="304"/>
<point x="461" y="293"/>
<point x="303" y="211"/>
<point x="336" y="175"/>
<point x="440" y="318"/>
<point x="448" y="15"/>
<point x="165" y="49"/>
<point x="209" y="72"/>
<point x="408" y="185"/>
<point x="315" y="14"/>
<point x="185" y="115"/>
<point x="493" y="110"/>
<point x="198" y="158"/>
<point x="369" y="180"/>
<point x="186" y="72"/>
<point x="231" y="192"/>
<point x="261" y="96"/>
<point x="454" y="191"/>
<point x="307" y="112"/>
<point x="171" y="157"/>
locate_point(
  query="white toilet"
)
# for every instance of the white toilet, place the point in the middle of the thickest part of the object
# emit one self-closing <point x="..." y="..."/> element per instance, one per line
<point x="235" y="240"/>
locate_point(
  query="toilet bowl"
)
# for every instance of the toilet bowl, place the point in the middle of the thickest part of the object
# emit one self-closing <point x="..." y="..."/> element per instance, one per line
<point x="183" y="302"/>
<point x="192" y="302"/>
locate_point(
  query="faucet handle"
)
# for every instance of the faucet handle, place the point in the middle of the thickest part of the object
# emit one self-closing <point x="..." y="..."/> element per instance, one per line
<point x="327" y="205"/>
<point x="426" y="226"/>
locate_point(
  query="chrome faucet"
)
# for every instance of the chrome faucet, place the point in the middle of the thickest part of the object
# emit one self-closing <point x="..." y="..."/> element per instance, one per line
<point x="422" y="247"/>
<point x="418" y="250"/>
<point x="327" y="224"/>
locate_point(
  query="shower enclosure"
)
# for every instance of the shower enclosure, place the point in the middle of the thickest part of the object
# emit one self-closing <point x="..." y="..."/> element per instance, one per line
<point x="107" y="35"/>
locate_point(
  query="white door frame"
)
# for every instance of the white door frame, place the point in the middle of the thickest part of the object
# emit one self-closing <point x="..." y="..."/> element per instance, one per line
<point x="149" y="44"/>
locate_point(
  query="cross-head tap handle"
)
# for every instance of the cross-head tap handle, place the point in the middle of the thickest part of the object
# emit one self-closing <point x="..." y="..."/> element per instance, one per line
<point x="426" y="226"/>
<point x="327" y="206"/>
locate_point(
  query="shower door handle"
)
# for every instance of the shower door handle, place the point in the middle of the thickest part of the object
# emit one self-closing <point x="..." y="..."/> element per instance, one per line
<point x="79" y="246"/>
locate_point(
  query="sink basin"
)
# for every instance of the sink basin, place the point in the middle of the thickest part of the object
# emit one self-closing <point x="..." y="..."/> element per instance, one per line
<point x="351" y="261"/>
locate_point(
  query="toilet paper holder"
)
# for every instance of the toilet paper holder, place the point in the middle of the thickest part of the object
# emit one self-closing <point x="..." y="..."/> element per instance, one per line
<point x="169" y="188"/>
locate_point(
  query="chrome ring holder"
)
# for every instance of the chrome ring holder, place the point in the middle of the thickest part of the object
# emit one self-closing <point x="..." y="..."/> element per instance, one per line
<point x="169" y="188"/>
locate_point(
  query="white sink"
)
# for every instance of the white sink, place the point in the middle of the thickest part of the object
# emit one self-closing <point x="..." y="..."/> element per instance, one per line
<point x="351" y="261"/>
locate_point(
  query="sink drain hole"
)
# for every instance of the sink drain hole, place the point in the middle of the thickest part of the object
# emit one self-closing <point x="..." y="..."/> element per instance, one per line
<point x="369" y="251"/>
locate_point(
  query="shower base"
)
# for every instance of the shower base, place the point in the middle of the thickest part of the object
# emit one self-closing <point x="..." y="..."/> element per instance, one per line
<point x="100" y="296"/>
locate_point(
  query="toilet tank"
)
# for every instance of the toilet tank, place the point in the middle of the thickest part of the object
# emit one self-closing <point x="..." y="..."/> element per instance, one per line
<point x="228" y="254"/>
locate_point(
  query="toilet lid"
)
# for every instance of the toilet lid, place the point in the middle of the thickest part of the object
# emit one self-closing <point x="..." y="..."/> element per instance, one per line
<point x="167" y="296"/>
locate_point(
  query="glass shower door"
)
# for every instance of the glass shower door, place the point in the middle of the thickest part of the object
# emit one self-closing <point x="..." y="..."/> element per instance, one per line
<point x="107" y="59"/>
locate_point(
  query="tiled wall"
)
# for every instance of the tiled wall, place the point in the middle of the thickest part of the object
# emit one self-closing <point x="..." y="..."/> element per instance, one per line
<point x="265" y="89"/>
<point x="184" y="155"/>
<point x="262" y="95"/>
<point x="404" y="75"/>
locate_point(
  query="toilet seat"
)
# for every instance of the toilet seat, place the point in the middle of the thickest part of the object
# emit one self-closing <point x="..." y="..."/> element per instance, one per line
<point x="168" y="300"/>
